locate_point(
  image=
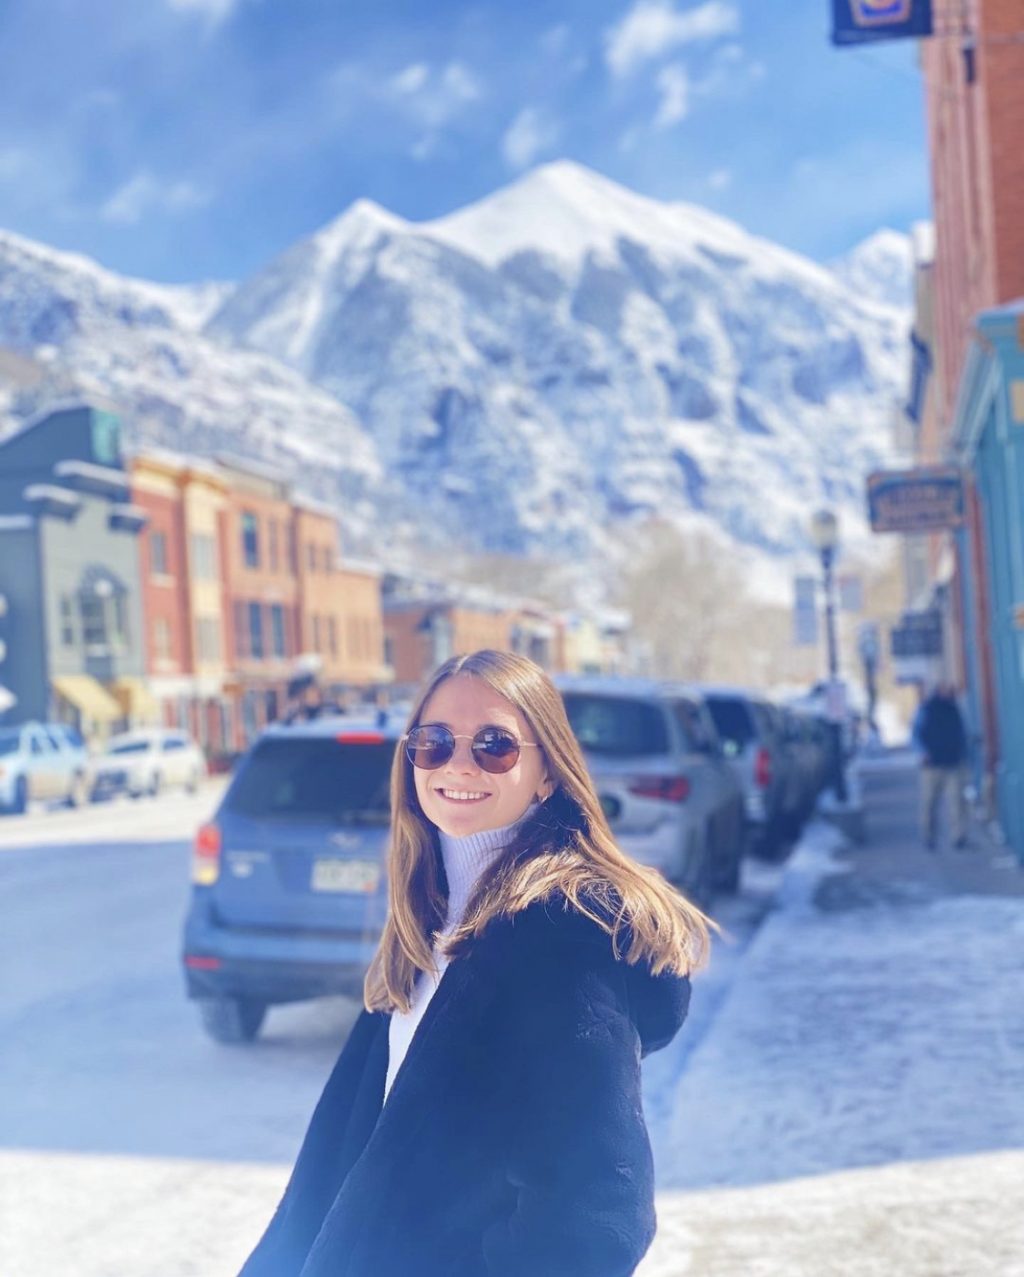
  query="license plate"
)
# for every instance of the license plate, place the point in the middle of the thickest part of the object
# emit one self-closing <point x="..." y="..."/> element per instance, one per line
<point x="358" y="876"/>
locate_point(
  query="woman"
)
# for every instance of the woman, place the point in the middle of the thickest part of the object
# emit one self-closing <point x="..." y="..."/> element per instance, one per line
<point x="484" y="1118"/>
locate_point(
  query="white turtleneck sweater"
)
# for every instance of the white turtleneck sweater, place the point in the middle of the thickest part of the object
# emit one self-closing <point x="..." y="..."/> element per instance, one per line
<point x="466" y="860"/>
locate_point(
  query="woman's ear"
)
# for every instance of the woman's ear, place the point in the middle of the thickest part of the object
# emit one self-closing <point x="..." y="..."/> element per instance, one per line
<point x="545" y="789"/>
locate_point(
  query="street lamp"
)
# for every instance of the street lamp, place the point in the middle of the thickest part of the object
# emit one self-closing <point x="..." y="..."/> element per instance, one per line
<point x="825" y="538"/>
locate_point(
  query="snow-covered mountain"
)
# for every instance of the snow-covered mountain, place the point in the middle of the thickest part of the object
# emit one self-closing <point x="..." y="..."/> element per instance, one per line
<point x="71" y="328"/>
<point x="880" y="267"/>
<point x="532" y="372"/>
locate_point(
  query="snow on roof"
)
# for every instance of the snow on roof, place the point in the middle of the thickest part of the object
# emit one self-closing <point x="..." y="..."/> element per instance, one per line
<point x="51" y="492"/>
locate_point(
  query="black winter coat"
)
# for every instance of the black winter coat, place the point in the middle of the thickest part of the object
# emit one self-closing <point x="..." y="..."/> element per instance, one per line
<point x="513" y="1141"/>
<point x="942" y="733"/>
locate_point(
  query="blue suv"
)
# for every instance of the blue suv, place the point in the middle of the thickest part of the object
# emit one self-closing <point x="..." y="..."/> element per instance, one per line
<point x="289" y="885"/>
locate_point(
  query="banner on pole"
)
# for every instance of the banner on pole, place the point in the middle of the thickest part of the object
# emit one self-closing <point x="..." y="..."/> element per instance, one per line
<point x="863" y="21"/>
<point x="805" y="611"/>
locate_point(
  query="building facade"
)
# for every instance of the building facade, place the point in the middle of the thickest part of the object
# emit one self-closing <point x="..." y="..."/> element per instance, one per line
<point x="974" y="85"/>
<point x="183" y="594"/>
<point x="69" y="570"/>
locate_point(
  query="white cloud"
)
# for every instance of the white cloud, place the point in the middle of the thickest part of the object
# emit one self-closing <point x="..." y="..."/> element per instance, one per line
<point x="214" y="11"/>
<point x="720" y="179"/>
<point x="530" y="133"/>
<point x="412" y="79"/>
<point x="654" y="28"/>
<point x="430" y="96"/>
<point x="674" y="86"/>
<point x="144" y="194"/>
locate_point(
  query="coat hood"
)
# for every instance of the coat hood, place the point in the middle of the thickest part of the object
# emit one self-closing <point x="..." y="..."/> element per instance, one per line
<point x="658" y="1004"/>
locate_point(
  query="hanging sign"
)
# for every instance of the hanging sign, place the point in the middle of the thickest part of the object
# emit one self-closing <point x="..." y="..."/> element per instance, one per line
<point x="928" y="499"/>
<point x="861" y="21"/>
<point x="918" y="634"/>
<point x="805" y="612"/>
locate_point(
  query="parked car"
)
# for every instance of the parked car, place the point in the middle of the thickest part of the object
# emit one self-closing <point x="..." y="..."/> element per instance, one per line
<point x="289" y="889"/>
<point x="750" y="728"/>
<point x="145" y="762"/>
<point x="669" y="794"/>
<point x="41" y="761"/>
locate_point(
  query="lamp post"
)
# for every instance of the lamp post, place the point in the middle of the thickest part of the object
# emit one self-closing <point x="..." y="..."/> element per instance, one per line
<point x="825" y="538"/>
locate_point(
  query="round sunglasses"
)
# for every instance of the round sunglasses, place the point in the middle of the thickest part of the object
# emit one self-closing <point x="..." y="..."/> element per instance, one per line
<point x="494" y="749"/>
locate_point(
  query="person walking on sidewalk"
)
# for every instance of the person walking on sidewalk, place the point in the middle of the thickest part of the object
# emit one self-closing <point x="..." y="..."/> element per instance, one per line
<point x="939" y="730"/>
<point x="484" y="1118"/>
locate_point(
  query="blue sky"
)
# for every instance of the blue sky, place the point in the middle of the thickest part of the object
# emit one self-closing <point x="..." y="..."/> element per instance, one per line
<point x="182" y="140"/>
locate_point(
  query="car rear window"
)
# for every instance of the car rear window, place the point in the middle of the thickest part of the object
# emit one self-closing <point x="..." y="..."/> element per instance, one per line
<point x="617" y="725"/>
<point x="129" y="747"/>
<point x="317" y="780"/>
<point x="10" y="742"/>
<point x="732" y="718"/>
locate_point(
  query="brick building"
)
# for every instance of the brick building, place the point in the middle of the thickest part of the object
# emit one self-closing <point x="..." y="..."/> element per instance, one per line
<point x="974" y="83"/>
<point x="974" y="86"/>
<point x="182" y="593"/>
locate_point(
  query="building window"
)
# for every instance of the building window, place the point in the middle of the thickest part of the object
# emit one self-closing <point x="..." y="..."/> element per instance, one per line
<point x="204" y="556"/>
<point x="162" y="639"/>
<point x="250" y="539"/>
<point x="316" y="634"/>
<point x="256" y="630"/>
<point x="311" y="557"/>
<point x="104" y="618"/>
<point x="270" y="706"/>
<point x="67" y="621"/>
<point x="208" y="638"/>
<point x="332" y="636"/>
<point x="389" y="652"/>
<point x="158" y="554"/>
<point x="328" y="561"/>
<point x="272" y="544"/>
<point x="293" y="552"/>
<point x="277" y="629"/>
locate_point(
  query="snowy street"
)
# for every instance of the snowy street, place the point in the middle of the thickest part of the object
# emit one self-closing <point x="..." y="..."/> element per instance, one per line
<point x="845" y="1098"/>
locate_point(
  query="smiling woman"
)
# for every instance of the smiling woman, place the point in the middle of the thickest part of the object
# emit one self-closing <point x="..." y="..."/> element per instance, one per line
<point x="484" y="1118"/>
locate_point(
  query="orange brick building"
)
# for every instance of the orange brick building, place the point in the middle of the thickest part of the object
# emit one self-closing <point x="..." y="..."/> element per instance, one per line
<point x="974" y="87"/>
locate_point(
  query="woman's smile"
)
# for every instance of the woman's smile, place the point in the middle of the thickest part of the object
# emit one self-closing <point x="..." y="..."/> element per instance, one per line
<point x="463" y="795"/>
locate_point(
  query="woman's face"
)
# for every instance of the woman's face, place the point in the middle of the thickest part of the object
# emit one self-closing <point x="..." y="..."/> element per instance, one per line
<point x="460" y="797"/>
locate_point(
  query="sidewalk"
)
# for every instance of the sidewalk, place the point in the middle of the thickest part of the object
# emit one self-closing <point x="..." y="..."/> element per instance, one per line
<point x="858" y="1105"/>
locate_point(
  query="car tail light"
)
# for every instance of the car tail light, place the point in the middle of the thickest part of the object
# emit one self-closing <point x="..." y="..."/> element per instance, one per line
<point x="199" y="962"/>
<point x="359" y="738"/>
<point x="762" y="768"/>
<point x="206" y="855"/>
<point x="670" y="789"/>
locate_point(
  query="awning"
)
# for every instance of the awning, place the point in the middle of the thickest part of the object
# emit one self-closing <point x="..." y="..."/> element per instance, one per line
<point x="89" y="697"/>
<point x="136" y="700"/>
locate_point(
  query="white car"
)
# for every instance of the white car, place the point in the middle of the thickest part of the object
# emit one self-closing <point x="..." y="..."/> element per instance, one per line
<point x="145" y="762"/>
<point x="41" y="761"/>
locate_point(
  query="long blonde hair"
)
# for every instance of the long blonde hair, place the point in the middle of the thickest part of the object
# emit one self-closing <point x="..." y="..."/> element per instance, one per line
<point x="565" y="846"/>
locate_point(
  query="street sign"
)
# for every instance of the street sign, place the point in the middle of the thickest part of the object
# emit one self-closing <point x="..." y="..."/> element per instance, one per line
<point x="861" y="21"/>
<point x="918" y="634"/>
<point x="928" y="499"/>
<point x="805" y="611"/>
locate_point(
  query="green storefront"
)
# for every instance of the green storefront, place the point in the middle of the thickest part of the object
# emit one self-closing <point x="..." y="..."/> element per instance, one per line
<point x="988" y="436"/>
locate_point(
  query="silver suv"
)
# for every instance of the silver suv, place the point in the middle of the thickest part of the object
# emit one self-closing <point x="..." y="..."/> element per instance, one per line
<point x="750" y="729"/>
<point x="665" y="786"/>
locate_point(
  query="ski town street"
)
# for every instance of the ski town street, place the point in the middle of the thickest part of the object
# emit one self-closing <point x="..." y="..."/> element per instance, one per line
<point x="844" y="1098"/>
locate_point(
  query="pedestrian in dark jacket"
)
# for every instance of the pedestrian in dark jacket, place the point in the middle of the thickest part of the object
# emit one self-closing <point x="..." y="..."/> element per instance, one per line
<point x="484" y="1118"/>
<point x="939" y="730"/>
